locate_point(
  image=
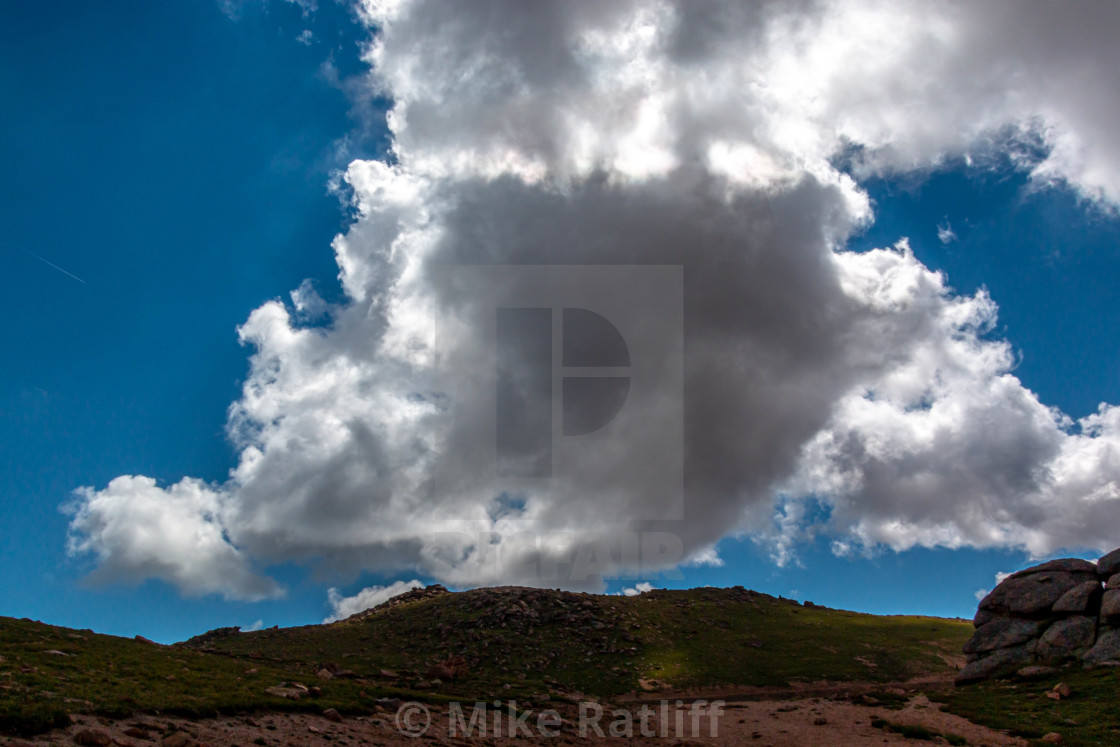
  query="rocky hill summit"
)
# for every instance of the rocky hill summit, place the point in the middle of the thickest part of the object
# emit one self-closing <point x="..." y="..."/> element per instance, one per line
<point x="1055" y="614"/>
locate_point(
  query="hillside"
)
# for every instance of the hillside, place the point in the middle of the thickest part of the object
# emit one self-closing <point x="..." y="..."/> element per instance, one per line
<point x="536" y="645"/>
<point x="539" y="641"/>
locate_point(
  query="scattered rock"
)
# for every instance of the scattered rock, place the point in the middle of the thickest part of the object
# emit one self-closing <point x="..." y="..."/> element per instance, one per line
<point x="204" y="640"/>
<point x="336" y="670"/>
<point x="332" y="715"/>
<point x="325" y="674"/>
<point x="291" y="693"/>
<point x="93" y="738"/>
<point x="1053" y="738"/>
<point x="449" y="669"/>
<point x="142" y="639"/>
<point x="179" y="739"/>
<point x="439" y="672"/>
<point x="1035" y="671"/>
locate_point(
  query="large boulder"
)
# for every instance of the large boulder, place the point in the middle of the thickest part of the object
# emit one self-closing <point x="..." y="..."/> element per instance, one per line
<point x="1065" y="565"/>
<point x="1110" y="605"/>
<point x="1054" y="614"/>
<point x="1032" y="594"/>
<point x="983" y="617"/>
<point x="1083" y="599"/>
<point x="1003" y="632"/>
<point x="1109" y="564"/>
<point x="1000" y="663"/>
<point x="1066" y="639"/>
<point x="1106" y="649"/>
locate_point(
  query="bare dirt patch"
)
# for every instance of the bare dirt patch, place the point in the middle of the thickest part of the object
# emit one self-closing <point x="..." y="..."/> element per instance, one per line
<point x="746" y="719"/>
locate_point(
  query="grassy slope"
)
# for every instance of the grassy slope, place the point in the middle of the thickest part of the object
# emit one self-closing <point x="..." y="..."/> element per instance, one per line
<point x="683" y="638"/>
<point x="114" y="676"/>
<point x="1089" y="717"/>
<point x="574" y="644"/>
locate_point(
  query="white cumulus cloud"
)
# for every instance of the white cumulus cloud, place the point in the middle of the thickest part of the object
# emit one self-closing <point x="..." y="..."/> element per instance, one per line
<point x="343" y="607"/>
<point x="824" y="390"/>
<point x="637" y="589"/>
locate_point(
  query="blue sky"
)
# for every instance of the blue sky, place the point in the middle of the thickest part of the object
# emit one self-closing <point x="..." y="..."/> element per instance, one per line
<point x="175" y="160"/>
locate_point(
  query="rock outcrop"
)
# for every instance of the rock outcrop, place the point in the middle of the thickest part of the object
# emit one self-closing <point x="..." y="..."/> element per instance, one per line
<point x="1057" y="613"/>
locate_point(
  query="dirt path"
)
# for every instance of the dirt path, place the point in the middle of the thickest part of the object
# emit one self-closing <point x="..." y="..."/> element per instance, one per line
<point x="791" y="722"/>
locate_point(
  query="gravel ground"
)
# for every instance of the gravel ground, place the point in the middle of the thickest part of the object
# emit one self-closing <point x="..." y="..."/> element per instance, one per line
<point x="779" y="723"/>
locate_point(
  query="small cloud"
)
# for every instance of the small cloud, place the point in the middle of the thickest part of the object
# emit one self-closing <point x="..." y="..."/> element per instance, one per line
<point x="136" y="530"/>
<point x="305" y="37"/>
<point x="981" y="593"/>
<point x="255" y="626"/>
<point x="705" y="557"/>
<point x="639" y="588"/>
<point x="945" y="232"/>
<point x="369" y="597"/>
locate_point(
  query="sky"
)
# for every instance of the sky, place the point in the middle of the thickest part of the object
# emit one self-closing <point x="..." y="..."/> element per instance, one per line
<point x="862" y="257"/>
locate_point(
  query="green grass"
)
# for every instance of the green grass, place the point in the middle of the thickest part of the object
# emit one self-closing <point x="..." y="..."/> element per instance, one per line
<point x="115" y="677"/>
<point x="711" y="636"/>
<point x="578" y="644"/>
<point x="1089" y="717"/>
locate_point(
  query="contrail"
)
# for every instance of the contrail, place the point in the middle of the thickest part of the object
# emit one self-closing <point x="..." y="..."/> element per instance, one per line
<point x="52" y="264"/>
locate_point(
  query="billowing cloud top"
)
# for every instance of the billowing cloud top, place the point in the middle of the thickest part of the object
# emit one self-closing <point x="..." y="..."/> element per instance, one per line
<point x="698" y="135"/>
